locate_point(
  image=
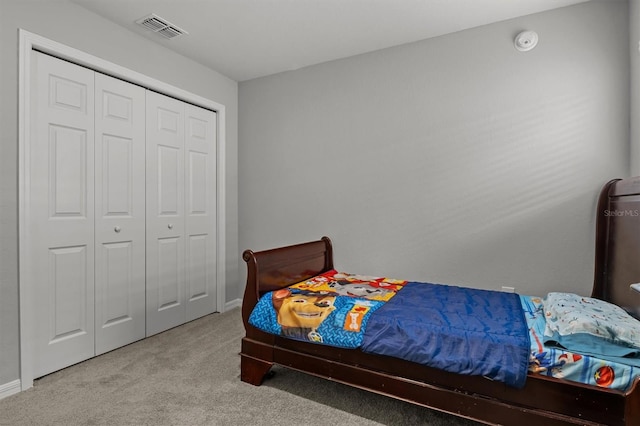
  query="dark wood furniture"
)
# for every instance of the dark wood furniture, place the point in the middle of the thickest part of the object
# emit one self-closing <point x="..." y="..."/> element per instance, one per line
<point x="543" y="400"/>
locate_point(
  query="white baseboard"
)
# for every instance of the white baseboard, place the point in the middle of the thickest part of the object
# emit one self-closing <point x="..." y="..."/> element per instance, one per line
<point x="236" y="303"/>
<point x="10" y="388"/>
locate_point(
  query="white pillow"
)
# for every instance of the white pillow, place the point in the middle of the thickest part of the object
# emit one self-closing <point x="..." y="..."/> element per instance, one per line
<point x="586" y="320"/>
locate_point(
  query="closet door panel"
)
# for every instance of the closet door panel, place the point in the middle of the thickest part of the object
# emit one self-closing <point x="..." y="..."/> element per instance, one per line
<point x="165" y="213"/>
<point x="120" y="213"/>
<point x="61" y="213"/>
<point x="169" y="268"/>
<point x="200" y="211"/>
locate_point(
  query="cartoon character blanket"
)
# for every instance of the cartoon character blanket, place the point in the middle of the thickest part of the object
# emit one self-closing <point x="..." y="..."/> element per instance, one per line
<point x="332" y="308"/>
<point x="457" y="329"/>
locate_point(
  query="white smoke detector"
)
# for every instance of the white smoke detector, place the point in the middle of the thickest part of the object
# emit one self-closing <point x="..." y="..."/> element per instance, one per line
<point x="526" y="41"/>
<point x="161" y="26"/>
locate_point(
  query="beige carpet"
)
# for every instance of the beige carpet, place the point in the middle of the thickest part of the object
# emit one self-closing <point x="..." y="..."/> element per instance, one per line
<point x="190" y="376"/>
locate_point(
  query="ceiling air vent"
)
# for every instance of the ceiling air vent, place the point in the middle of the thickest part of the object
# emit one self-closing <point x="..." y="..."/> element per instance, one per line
<point x="161" y="26"/>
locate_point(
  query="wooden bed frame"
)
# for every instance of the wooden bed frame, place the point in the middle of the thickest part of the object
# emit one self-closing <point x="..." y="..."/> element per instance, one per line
<point x="543" y="400"/>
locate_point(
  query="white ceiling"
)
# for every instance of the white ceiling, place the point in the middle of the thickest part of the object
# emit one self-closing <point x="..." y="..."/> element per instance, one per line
<point x="245" y="39"/>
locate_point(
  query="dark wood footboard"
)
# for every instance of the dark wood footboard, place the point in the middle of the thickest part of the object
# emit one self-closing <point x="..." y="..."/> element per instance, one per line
<point x="270" y="270"/>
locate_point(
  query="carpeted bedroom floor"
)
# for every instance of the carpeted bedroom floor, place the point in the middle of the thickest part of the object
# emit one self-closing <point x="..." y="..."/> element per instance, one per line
<point x="190" y="376"/>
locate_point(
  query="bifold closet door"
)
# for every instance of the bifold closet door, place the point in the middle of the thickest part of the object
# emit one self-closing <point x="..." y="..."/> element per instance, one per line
<point x="120" y="205"/>
<point x="61" y="213"/>
<point x="120" y="213"/>
<point x="200" y="211"/>
<point x="86" y="213"/>
<point x="181" y="269"/>
<point x="165" y="213"/>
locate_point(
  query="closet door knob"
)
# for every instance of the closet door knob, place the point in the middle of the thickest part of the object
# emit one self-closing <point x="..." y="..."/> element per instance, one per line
<point x="117" y="229"/>
<point x="170" y="226"/>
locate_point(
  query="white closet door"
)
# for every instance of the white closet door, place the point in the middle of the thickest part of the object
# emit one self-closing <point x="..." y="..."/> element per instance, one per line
<point x="120" y="213"/>
<point x="200" y="209"/>
<point x="165" y="213"/>
<point x="61" y="213"/>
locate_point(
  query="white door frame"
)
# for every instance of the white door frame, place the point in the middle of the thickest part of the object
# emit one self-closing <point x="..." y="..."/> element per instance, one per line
<point x="29" y="42"/>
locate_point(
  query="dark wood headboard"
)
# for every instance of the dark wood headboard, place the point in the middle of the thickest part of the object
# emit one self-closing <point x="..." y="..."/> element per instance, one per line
<point x="617" y="262"/>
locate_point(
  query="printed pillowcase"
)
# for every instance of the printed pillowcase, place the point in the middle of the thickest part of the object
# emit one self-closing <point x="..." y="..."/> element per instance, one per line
<point x="591" y="326"/>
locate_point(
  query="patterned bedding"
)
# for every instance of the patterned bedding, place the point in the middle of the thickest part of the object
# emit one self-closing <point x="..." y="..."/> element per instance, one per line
<point x="556" y="362"/>
<point x="469" y="332"/>
<point x="332" y="308"/>
<point x="337" y="309"/>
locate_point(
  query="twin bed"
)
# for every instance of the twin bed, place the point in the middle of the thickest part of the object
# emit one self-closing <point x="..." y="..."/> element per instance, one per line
<point x="547" y="384"/>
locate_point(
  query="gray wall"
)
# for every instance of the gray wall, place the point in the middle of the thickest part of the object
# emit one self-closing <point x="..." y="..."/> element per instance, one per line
<point x="634" y="49"/>
<point x="455" y="160"/>
<point x="74" y="26"/>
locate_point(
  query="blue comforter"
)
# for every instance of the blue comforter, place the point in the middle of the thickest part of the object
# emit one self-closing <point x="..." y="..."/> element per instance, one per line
<point x="461" y="330"/>
<point x="457" y="329"/>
